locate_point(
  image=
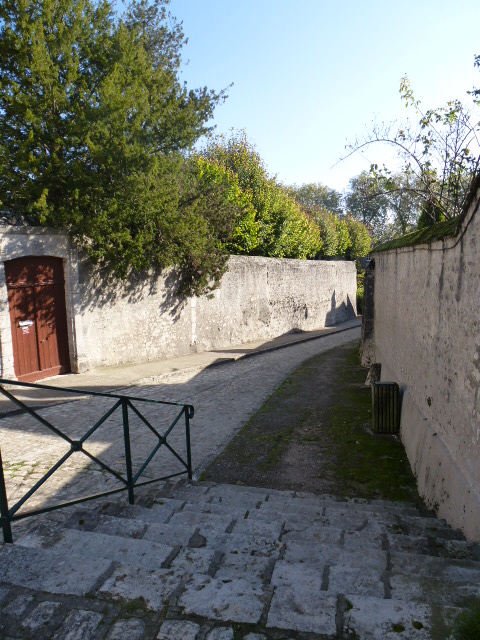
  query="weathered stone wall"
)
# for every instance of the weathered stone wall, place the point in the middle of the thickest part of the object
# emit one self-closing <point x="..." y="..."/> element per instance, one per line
<point x="427" y="338"/>
<point x="259" y="298"/>
<point x="109" y="324"/>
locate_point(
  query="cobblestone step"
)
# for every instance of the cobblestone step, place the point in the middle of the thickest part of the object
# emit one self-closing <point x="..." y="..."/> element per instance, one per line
<point x="93" y="545"/>
<point x="268" y="502"/>
<point x="47" y="570"/>
<point x="344" y="525"/>
<point x="209" y="561"/>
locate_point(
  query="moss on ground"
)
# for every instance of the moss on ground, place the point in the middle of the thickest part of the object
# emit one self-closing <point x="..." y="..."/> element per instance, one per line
<point x="467" y="624"/>
<point x="365" y="464"/>
<point x="313" y="434"/>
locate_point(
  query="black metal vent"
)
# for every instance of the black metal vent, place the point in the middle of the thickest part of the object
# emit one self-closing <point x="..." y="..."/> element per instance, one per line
<point x="385" y="407"/>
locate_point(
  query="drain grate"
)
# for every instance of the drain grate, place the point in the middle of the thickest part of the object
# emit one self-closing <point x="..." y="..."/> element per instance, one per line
<point x="385" y="407"/>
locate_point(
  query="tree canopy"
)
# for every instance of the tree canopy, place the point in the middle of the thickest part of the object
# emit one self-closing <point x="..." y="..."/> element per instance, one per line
<point x="364" y="203"/>
<point x="317" y="195"/>
<point x="93" y="122"/>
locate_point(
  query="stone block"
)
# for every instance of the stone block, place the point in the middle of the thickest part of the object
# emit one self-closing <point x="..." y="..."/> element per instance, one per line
<point x="3" y="594"/>
<point x="193" y="560"/>
<point x="433" y="591"/>
<point x="40" y="617"/>
<point x="345" y="580"/>
<point x="252" y="545"/>
<point x="131" y="629"/>
<point x="251" y="568"/>
<point x="379" y="619"/>
<point x="178" y="630"/>
<point x="229" y="600"/>
<point x="220" y="633"/>
<point x="298" y="607"/>
<point x="154" y="586"/>
<point x="50" y="571"/>
<point x="79" y="625"/>
<point x="18" y="606"/>
<point x="99" y="545"/>
<point x="167" y="533"/>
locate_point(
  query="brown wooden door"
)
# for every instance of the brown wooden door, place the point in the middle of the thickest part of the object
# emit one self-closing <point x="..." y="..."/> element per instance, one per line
<point x="36" y="297"/>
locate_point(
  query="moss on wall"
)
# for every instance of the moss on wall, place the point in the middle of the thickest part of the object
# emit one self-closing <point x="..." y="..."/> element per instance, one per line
<point x="437" y="231"/>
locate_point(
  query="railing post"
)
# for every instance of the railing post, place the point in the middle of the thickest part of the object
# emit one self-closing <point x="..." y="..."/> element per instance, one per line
<point x="128" y="452"/>
<point x="188" y="414"/>
<point x="4" y="520"/>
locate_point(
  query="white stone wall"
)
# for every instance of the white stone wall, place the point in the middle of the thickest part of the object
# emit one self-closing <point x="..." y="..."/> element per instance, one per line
<point x="110" y="323"/>
<point x="259" y="298"/>
<point x="427" y="338"/>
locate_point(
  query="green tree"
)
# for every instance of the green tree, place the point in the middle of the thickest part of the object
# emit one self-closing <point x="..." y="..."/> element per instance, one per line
<point x="284" y="230"/>
<point x="93" y="120"/>
<point x="327" y="224"/>
<point x="316" y="196"/>
<point x="216" y="219"/>
<point x="343" y="237"/>
<point x="360" y="240"/>
<point x="404" y="202"/>
<point x="325" y="206"/>
<point x="365" y="202"/>
<point x="397" y="194"/>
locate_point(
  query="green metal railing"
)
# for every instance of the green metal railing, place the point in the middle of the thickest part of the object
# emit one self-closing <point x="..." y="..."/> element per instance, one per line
<point x="129" y="481"/>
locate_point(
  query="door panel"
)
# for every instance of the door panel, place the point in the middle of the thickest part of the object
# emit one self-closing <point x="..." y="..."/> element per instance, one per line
<point x="36" y="294"/>
<point x="52" y="343"/>
<point x="24" y="335"/>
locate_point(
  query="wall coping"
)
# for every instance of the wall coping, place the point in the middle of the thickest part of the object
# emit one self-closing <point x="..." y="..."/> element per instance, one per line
<point x="440" y="231"/>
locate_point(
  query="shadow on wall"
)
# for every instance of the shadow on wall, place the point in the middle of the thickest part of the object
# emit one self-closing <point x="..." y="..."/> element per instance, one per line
<point x="99" y="288"/>
<point x="341" y="313"/>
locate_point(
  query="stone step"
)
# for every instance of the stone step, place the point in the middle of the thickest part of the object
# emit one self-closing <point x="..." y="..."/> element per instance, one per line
<point x="313" y="541"/>
<point x="160" y="510"/>
<point x="320" y="533"/>
<point x="239" y="498"/>
<point x="48" y="571"/>
<point x="282" y="572"/>
<point x="90" y="545"/>
<point x="215" y="519"/>
<point x="351" y="516"/>
<point x="234" y="496"/>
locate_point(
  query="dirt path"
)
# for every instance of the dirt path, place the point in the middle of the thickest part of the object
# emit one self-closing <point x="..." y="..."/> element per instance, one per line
<point x="313" y="434"/>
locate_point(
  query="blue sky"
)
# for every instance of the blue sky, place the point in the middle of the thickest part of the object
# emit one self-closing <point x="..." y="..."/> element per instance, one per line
<point x="311" y="75"/>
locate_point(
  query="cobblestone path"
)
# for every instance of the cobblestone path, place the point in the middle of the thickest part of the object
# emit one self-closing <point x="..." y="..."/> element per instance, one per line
<point x="223" y="396"/>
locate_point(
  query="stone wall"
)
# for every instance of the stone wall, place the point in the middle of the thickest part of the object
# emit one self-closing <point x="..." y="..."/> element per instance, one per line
<point x="427" y="338"/>
<point x="109" y="324"/>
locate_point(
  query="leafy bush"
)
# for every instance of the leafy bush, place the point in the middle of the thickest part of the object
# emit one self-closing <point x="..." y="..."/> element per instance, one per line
<point x="284" y="230"/>
<point x="327" y="224"/>
<point x="360" y="241"/>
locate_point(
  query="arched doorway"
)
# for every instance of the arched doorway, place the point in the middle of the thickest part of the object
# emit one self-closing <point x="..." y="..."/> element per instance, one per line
<point x="36" y="298"/>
